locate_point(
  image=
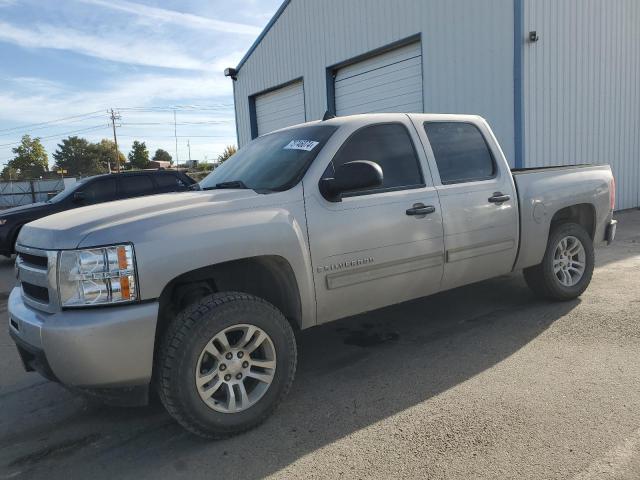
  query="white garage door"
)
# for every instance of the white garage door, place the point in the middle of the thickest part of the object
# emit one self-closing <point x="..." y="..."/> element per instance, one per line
<point x="389" y="82"/>
<point x="280" y="108"/>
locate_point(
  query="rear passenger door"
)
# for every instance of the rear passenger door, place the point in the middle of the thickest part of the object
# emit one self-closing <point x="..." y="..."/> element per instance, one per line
<point x="479" y="203"/>
<point x="135" y="185"/>
<point x="371" y="249"/>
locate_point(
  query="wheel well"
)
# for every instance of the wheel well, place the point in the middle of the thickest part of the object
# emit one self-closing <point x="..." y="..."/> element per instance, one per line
<point x="583" y="214"/>
<point x="268" y="277"/>
<point x="14" y="236"/>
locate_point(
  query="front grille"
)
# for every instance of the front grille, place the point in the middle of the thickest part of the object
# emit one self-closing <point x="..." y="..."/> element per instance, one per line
<point x="34" y="260"/>
<point x="40" y="294"/>
<point x="37" y="276"/>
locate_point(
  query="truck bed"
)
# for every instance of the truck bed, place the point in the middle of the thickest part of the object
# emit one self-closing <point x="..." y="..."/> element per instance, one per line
<point x="522" y="170"/>
<point x="545" y="190"/>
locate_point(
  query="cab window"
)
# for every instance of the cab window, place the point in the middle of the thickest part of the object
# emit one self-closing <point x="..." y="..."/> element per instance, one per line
<point x="461" y="152"/>
<point x="101" y="190"/>
<point x="390" y="146"/>
<point x="135" y="185"/>
<point x="168" y="182"/>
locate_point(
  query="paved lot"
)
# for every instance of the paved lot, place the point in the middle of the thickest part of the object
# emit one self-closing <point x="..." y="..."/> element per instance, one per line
<point x="481" y="382"/>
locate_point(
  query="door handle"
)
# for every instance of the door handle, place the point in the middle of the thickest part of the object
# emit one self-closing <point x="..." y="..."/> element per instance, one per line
<point x="498" y="197"/>
<point x="420" y="209"/>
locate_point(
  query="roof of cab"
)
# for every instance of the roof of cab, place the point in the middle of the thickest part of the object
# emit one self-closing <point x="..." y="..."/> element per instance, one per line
<point x="363" y="117"/>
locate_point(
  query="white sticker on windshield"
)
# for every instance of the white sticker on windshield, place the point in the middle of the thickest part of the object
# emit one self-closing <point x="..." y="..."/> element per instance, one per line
<point x="307" y="145"/>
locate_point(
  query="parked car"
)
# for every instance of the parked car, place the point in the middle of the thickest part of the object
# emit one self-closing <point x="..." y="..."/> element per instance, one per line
<point x="199" y="294"/>
<point x="91" y="190"/>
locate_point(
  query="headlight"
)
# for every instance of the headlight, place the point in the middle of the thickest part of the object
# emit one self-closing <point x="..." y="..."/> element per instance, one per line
<point x="97" y="276"/>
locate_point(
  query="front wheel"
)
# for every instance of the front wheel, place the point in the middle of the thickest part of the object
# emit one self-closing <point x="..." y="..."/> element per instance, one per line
<point x="567" y="267"/>
<point x="225" y="364"/>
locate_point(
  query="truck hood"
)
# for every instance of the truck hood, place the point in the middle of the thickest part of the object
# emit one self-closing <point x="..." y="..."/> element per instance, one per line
<point x="31" y="207"/>
<point x="66" y="230"/>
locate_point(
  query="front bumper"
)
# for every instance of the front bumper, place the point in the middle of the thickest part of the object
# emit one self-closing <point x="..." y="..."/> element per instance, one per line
<point x="95" y="350"/>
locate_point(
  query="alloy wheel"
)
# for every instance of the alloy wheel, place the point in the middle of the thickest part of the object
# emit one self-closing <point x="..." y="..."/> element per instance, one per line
<point x="235" y="368"/>
<point x="569" y="261"/>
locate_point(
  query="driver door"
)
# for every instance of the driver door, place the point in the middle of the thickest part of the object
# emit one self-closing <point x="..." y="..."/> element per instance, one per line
<point x="370" y="249"/>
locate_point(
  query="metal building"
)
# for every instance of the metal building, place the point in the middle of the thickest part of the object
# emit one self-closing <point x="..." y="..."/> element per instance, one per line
<point x="558" y="80"/>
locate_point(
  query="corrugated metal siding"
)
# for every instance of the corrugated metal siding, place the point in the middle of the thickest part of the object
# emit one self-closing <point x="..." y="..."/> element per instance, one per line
<point x="467" y="51"/>
<point x="582" y="87"/>
<point x="388" y="82"/>
<point x="280" y="108"/>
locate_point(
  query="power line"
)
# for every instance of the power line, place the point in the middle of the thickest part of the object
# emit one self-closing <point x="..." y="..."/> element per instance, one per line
<point x="30" y="129"/>
<point x="183" y="108"/>
<point x="175" y="134"/>
<point x="178" y="136"/>
<point x="94" y="114"/>
<point x="57" y="120"/>
<point x="209" y="122"/>
<point x="114" y="117"/>
<point x="61" y="134"/>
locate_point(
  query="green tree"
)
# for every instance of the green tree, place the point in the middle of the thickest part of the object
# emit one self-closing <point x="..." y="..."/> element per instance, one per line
<point x="139" y="155"/>
<point x="105" y="153"/>
<point x="30" y="159"/>
<point x="162" y="156"/>
<point x="9" y="173"/>
<point x="78" y="157"/>
<point x="228" y="152"/>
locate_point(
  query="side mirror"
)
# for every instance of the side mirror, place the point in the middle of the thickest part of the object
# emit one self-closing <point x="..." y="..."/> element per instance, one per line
<point x="79" y="197"/>
<point x="354" y="175"/>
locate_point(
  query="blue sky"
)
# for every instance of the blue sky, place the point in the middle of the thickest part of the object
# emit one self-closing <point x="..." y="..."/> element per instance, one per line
<point x="78" y="58"/>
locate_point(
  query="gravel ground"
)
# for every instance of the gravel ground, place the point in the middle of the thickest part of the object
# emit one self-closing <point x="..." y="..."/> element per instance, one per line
<point x="484" y="381"/>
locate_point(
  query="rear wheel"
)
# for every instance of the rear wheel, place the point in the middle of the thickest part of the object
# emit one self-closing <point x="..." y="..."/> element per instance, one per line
<point x="567" y="267"/>
<point x="225" y="364"/>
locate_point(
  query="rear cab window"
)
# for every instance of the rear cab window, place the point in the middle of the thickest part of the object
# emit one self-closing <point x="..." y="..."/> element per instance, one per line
<point x="461" y="152"/>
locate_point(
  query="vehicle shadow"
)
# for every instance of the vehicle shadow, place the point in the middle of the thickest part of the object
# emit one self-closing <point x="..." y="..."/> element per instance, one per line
<point x="352" y="374"/>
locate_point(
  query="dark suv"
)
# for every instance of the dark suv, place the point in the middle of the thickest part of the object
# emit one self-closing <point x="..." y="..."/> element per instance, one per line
<point x="91" y="190"/>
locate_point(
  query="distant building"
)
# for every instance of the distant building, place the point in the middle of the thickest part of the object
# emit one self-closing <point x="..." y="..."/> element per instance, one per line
<point x="159" y="164"/>
<point x="191" y="163"/>
<point x="557" y="81"/>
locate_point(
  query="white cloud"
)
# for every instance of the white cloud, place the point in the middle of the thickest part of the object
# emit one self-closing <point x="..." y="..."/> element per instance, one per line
<point x="43" y="100"/>
<point x="25" y="100"/>
<point x="171" y="16"/>
<point x="130" y="50"/>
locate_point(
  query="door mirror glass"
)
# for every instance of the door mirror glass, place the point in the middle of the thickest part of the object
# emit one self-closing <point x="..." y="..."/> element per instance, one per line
<point x="350" y="176"/>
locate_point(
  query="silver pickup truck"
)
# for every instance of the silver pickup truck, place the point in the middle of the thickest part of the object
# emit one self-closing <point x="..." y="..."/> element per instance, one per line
<point x="198" y="294"/>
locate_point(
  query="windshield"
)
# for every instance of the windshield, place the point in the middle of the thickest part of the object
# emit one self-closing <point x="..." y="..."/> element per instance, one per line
<point x="273" y="162"/>
<point x="66" y="192"/>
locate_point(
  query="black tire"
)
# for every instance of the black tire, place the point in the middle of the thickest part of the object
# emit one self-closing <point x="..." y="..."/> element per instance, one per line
<point x="185" y="339"/>
<point x="541" y="279"/>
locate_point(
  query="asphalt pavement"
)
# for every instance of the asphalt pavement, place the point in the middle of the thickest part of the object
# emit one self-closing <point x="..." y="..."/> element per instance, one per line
<point x="484" y="381"/>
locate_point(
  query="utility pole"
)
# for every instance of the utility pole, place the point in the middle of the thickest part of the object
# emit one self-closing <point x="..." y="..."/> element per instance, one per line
<point x="175" y="134"/>
<point x="189" y="147"/>
<point x="115" y="116"/>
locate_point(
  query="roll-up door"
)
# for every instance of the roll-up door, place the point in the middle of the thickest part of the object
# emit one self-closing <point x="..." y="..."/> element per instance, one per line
<point x="388" y="82"/>
<point x="280" y="108"/>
